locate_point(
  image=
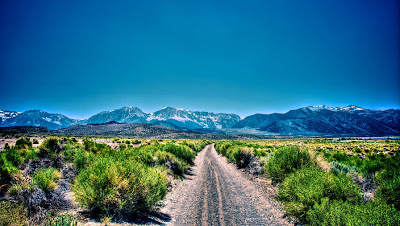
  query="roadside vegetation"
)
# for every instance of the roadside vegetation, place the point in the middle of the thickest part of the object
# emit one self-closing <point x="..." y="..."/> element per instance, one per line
<point x="123" y="183"/>
<point x="327" y="182"/>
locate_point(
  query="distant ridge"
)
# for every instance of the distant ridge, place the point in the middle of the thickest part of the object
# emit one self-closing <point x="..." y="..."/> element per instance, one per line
<point x="143" y="130"/>
<point x="307" y="121"/>
<point x="320" y="120"/>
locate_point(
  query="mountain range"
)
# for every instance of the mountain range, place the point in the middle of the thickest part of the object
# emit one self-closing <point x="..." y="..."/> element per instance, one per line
<point x="311" y="120"/>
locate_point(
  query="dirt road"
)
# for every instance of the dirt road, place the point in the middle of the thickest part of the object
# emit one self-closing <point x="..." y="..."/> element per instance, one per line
<point x="216" y="193"/>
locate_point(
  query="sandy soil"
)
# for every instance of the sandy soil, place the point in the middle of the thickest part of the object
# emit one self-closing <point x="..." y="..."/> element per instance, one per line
<point x="216" y="193"/>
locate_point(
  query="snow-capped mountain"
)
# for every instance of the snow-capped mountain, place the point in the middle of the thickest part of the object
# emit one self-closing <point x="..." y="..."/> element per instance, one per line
<point x="5" y="115"/>
<point x="311" y="120"/>
<point x="41" y="118"/>
<point x="123" y="115"/>
<point x="326" y="120"/>
<point x="194" y="120"/>
<point x="170" y="117"/>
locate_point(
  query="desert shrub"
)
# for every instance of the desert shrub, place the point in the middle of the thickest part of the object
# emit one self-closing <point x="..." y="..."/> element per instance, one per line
<point x="222" y="147"/>
<point x="69" y="151"/>
<point x="63" y="220"/>
<point x="7" y="168"/>
<point x="308" y="186"/>
<point x="340" y="168"/>
<point x="144" y="154"/>
<point x="240" y="155"/>
<point x="169" y="160"/>
<point x="357" y="150"/>
<point x="155" y="156"/>
<point x="46" y="179"/>
<point x="49" y="148"/>
<point x="391" y="171"/>
<point x="120" y="188"/>
<point x="339" y="212"/>
<point x="286" y="160"/>
<point x="182" y="151"/>
<point x="95" y="147"/>
<point x="81" y="159"/>
<point x="23" y="143"/>
<point x="14" y="156"/>
<point x="196" y="146"/>
<point x="136" y="142"/>
<point x="371" y="165"/>
<point x="389" y="191"/>
<point x="261" y="152"/>
<point x="127" y="142"/>
<point x="12" y="214"/>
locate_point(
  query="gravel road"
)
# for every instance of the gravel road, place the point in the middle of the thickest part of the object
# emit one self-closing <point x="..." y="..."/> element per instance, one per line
<point x="216" y="193"/>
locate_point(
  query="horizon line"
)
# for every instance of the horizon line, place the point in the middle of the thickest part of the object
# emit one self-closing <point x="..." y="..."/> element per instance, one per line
<point x="242" y="117"/>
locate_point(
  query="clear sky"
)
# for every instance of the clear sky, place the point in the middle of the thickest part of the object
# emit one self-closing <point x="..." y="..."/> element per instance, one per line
<point x="82" y="57"/>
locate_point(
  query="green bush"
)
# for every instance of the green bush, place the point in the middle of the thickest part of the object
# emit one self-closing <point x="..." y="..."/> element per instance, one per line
<point x="49" y="148"/>
<point x="136" y="142"/>
<point x="81" y="159"/>
<point x="63" y="220"/>
<point x="120" y="188"/>
<point x="7" y="168"/>
<point x="183" y="151"/>
<point x="95" y="147"/>
<point x="338" y="212"/>
<point x="196" y="146"/>
<point x="222" y="147"/>
<point x="35" y="141"/>
<point x="169" y="160"/>
<point x="308" y="186"/>
<point x="370" y="166"/>
<point x="12" y="214"/>
<point x="154" y="156"/>
<point x="286" y="160"/>
<point x="240" y="155"/>
<point x="46" y="179"/>
<point x="69" y="151"/>
<point x="23" y="143"/>
<point x="340" y="168"/>
<point x="389" y="192"/>
<point x="14" y="156"/>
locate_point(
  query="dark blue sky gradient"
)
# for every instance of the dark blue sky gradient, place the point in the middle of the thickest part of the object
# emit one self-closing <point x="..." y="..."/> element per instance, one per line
<point x="82" y="57"/>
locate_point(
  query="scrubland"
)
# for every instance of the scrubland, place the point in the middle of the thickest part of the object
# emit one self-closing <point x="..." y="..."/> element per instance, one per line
<point x="52" y="183"/>
<point x="65" y="180"/>
<point x="327" y="182"/>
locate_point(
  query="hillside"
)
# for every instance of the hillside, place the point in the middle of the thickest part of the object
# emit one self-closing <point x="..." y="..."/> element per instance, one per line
<point x="143" y="130"/>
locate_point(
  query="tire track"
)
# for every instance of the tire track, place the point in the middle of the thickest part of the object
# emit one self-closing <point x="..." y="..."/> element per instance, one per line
<point x="215" y="193"/>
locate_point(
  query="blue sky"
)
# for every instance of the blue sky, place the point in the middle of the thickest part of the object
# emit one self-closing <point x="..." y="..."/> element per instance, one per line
<point x="82" y="57"/>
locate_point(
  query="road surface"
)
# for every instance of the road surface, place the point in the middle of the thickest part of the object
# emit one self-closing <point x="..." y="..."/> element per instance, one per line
<point x="216" y="193"/>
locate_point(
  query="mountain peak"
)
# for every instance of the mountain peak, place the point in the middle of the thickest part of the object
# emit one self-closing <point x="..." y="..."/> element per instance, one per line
<point x="318" y="108"/>
<point x="350" y="108"/>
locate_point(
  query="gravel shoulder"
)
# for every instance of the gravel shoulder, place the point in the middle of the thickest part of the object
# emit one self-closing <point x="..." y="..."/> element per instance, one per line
<point x="217" y="193"/>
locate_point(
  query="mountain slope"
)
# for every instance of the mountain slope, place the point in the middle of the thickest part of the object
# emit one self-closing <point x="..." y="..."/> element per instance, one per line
<point x="5" y="115"/>
<point x="170" y="117"/>
<point x="194" y="120"/>
<point x="41" y="118"/>
<point x="125" y="115"/>
<point x="326" y="120"/>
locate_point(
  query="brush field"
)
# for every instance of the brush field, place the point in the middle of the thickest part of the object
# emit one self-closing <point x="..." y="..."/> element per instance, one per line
<point x="68" y="180"/>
